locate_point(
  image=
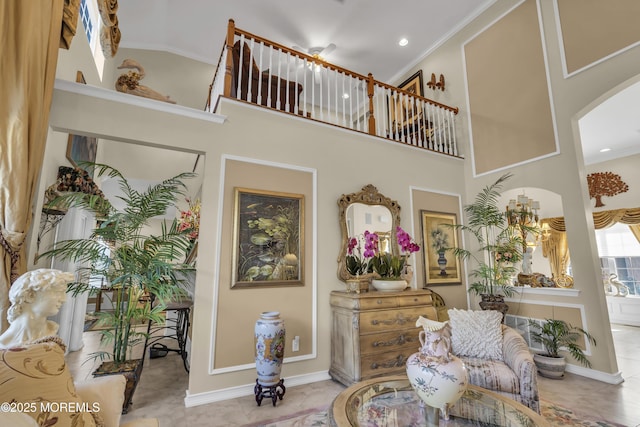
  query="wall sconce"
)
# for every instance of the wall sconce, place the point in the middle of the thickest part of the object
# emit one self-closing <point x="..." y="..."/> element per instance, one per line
<point x="432" y="84"/>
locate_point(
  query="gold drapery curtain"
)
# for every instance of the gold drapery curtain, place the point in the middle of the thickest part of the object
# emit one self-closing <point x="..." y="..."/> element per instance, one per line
<point x="601" y="219"/>
<point x="69" y="22"/>
<point x="555" y="248"/>
<point x="31" y="32"/>
<point x="635" y="229"/>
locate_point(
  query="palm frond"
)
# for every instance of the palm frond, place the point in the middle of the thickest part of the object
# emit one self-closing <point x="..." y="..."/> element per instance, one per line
<point x="487" y="223"/>
<point x="555" y="335"/>
<point x="135" y="264"/>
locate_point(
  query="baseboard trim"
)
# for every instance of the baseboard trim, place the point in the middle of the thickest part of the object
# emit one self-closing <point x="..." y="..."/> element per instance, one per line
<point x="596" y="375"/>
<point x="197" y="399"/>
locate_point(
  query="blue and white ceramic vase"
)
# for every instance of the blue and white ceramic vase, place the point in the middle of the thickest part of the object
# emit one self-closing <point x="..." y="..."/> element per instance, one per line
<point x="270" y="342"/>
<point x="438" y="377"/>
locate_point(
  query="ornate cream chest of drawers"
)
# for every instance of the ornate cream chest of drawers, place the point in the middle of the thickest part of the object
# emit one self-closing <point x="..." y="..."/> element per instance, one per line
<point x="374" y="333"/>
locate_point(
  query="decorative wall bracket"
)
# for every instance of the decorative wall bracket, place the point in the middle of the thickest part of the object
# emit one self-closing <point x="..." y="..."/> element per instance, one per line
<point x="49" y="219"/>
<point x="605" y="184"/>
<point x="433" y="84"/>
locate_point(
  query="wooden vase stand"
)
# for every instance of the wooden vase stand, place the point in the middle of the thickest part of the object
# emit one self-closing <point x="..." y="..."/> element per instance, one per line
<point x="274" y="392"/>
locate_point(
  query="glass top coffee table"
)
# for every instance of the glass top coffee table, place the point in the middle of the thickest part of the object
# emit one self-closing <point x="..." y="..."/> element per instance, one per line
<point x="390" y="401"/>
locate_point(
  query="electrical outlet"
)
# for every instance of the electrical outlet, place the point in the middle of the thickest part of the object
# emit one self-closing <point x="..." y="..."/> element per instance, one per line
<point x="295" y="345"/>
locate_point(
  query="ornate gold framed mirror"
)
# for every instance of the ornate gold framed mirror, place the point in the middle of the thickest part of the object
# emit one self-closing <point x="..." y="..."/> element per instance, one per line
<point x="365" y="210"/>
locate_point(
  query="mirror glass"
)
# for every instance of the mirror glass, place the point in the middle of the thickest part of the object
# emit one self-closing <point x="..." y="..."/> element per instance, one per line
<point x="361" y="217"/>
<point x="367" y="210"/>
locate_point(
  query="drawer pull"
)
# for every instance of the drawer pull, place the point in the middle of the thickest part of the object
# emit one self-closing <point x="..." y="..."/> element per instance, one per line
<point x="379" y="301"/>
<point x="383" y="322"/>
<point x="399" y="320"/>
<point x="399" y="340"/>
<point x="393" y="363"/>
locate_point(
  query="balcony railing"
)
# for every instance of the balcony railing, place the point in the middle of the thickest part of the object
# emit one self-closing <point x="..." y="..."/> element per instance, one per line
<point x="262" y="72"/>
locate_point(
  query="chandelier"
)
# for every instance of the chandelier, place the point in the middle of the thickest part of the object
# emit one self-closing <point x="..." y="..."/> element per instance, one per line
<point x="522" y="214"/>
<point x="523" y="211"/>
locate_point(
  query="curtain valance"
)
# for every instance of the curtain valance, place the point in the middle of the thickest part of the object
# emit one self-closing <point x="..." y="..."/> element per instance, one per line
<point x="601" y="219"/>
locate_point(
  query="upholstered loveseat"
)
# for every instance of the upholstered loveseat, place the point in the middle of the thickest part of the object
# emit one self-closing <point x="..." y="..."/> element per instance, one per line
<point x="496" y="356"/>
<point x="35" y="380"/>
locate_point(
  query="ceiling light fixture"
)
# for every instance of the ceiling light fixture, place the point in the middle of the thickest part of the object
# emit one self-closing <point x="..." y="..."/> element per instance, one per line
<point x="604" y="150"/>
<point x="345" y="96"/>
<point x="403" y="42"/>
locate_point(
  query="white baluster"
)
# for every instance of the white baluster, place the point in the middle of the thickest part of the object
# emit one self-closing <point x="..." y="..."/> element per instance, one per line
<point x="259" y="94"/>
<point x="287" y="107"/>
<point x="304" y="80"/>
<point x="313" y="90"/>
<point x="296" y="108"/>
<point x="269" y="95"/>
<point x="278" y="90"/>
<point x="335" y="93"/>
<point x="352" y="98"/>
<point x="455" y="141"/>
<point x="239" y="70"/>
<point x="321" y="93"/>
<point x="344" y="113"/>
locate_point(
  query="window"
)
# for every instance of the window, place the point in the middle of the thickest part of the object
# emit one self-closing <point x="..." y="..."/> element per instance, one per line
<point x="86" y="20"/>
<point x="91" y="21"/>
<point x="619" y="252"/>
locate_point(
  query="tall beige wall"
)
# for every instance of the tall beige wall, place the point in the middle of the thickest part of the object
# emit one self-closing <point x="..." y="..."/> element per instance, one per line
<point x="343" y="163"/>
<point x="265" y="138"/>
<point x="563" y="173"/>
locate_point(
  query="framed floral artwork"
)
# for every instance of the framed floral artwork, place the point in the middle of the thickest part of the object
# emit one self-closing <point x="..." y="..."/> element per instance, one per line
<point x="441" y="265"/>
<point x="268" y="238"/>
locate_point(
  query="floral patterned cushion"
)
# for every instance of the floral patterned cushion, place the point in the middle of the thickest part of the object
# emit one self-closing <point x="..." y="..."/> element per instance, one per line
<point x="34" y="379"/>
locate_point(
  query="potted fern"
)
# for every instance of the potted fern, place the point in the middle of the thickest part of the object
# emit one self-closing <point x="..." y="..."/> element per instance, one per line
<point x="142" y="271"/>
<point x="556" y="335"/>
<point x="499" y="247"/>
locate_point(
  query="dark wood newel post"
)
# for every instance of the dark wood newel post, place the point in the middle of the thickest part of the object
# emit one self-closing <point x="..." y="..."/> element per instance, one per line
<point x="372" y="118"/>
<point x="231" y="29"/>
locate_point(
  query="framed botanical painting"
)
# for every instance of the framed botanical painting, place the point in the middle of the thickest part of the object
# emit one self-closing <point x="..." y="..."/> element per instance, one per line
<point x="81" y="148"/>
<point x="268" y="238"/>
<point x="413" y="84"/>
<point x="441" y="265"/>
<point x="401" y="109"/>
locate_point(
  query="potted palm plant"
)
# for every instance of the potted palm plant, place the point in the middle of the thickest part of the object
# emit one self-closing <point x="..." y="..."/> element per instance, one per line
<point x="499" y="247"/>
<point x="556" y="335"/>
<point x="142" y="271"/>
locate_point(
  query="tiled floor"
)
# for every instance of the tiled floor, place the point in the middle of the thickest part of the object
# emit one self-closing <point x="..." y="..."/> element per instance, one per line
<point x="162" y="388"/>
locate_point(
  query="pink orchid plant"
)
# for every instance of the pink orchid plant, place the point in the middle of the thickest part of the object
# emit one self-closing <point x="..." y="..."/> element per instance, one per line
<point x="389" y="266"/>
<point x="358" y="259"/>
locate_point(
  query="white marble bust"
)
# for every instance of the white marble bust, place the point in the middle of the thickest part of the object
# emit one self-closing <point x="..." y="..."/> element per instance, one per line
<point x="36" y="295"/>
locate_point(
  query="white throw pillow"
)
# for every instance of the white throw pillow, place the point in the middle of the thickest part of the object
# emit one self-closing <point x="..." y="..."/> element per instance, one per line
<point x="476" y="333"/>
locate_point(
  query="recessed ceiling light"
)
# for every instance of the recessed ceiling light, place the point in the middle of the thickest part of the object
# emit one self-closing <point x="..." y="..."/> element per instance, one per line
<point x="403" y="42"/>
<point x="345" y="96"/>
<point x="604" y="150"/>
